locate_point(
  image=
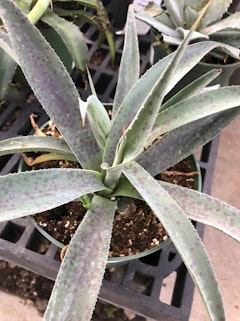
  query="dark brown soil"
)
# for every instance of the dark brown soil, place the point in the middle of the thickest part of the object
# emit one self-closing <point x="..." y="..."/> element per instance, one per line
<point x="37" y="289"/>
<point x="142" y="230"/>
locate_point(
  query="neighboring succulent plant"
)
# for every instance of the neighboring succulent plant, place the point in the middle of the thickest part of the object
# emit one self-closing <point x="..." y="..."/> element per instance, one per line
<point x="118" y="157"/>
<point x="64" y="19"/>
<point x="174" y="18"/>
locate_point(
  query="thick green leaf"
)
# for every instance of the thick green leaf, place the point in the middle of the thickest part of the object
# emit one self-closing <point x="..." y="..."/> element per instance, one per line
<point x="71" y="36"/>
<point x="230" y="22"/>
<point x="59" y="98"/>
<point x="215" y="12"/>
<point x="183" y="141"/>
<point x="206" y="209"/>
<point x="80" y="276"/>
<point x="158" y="25"/>
<point x="37" y="143"/>
<point x="98" y="119"/>
<point x="136" y="98"/>
<point x="183" y="236"/>
<point x="195" y="108"/>
<point x="38" y="10"/>
<point x="31" y="192"/>
<point x="24" y="5"/>
<point x="193" y="89"/>
<point x="129" y="71"/>
<point x="176" y="11"/>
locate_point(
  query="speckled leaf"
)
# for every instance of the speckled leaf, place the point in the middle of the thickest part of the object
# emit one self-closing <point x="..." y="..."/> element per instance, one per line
<point x="135" y="99"/>
<point x="174" y="147"/>
<point x="129" y="70"/>
<point x="29" y="143"/>
<point x="183" y="236"/>
<point x="206" y="209"/>
<point x="193" y="89"/>
<point x="51" y="83"/>
<point x="31" y="192"/>
<point x="195" y="108"/>
<point x="176" y="11"/>
<point x="231" y="22"/>
<point x="71" y="36"/>
<point x="80" y="276"/>
<point x="215" y="12"/>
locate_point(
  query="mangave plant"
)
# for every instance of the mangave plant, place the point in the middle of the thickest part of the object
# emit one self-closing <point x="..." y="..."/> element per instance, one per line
<point x="119" y="157"/>
<point x="59" y="21"/>
<point x="173" y="19"/>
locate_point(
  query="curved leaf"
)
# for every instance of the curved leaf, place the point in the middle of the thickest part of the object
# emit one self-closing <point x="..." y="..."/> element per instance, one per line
<point x="129" y="61"/>
<point x="193" y="89"/>
<point x="98" y="119"/>
<point x="215" y="12"/>
<point x="174" y="146"/>
<point x="80" y="276"/>
<point x="206" y="209"/>
<point x="37" y="143"/>
<point x="158" y="25"/>
<point x="42" y="67"/>
<point x="230" y="22"/>
<point x="183" y="236"/>
<point x="195" y="108"/>
<point x="71" y="36"/>
<point x="31" y="192"/>
<point x="38" y="10"/>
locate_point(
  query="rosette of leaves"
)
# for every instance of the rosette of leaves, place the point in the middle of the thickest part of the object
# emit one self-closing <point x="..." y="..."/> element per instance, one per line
<point x="59" y="21"/>
<point x="173" y="20"/>
<point x="119" y="157"/>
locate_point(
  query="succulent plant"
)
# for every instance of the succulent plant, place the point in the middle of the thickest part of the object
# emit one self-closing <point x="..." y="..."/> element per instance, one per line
<point x="119" y="157"/>
<point x="59" y="21"/>
<point x="173" y="19"/>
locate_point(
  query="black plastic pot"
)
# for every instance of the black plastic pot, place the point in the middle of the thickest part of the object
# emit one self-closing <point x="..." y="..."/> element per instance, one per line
<point x="121" y="260"/>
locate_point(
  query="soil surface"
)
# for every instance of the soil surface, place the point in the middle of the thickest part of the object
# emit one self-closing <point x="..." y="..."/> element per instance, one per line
<point x="37" y="289"/>
<point x="142" y="230"/>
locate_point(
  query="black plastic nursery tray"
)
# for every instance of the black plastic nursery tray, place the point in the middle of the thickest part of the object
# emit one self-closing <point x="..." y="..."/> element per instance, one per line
<point x="139" y="286"/>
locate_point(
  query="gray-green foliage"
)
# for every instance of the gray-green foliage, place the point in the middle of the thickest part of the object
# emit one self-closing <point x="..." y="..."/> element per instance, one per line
<point x="173" y="19"/>
<point x="119" y="157"/>
<point x="63" y="32"/>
